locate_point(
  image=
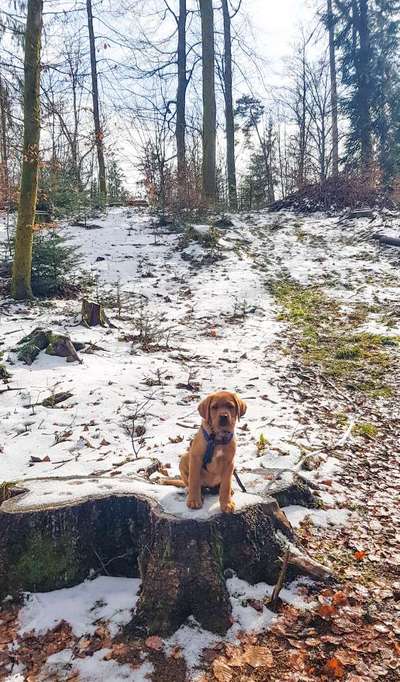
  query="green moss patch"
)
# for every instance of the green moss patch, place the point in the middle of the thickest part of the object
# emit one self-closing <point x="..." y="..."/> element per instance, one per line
<point x="326" y="338"/>
<point x="46" y="564"/>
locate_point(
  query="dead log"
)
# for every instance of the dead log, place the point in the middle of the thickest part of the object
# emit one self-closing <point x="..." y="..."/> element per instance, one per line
<point x="361" y="213"/>
<point x="389" y="241"/>
<point x="53" y="535"/>
<point x="93" y="314"/>
<point x="56" y="398"/>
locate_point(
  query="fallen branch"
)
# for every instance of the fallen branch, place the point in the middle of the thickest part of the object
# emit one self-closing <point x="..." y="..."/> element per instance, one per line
<point x="273" y="602"/>
<point x="310" y="567"/>
<point x="10" y="388"/>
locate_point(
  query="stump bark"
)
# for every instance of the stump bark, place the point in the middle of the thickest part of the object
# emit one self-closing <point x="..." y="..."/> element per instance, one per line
<point x="93" y="314"/>
<point x="29" y="347"/>
<point x="54" y="536"/>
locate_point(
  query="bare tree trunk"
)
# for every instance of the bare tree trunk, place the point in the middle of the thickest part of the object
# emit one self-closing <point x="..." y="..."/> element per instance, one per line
<point x="334" y="100"/>
<point x="3" y="142"/>
<point x="21" y="276"/>
<point x="96" y="112"/>
<point x="303" y="123"/>
<point x="180" y="131"/>
<point x="364" y="102"/>
<point x="209" y="105"/>
<point x="229" y="117"/>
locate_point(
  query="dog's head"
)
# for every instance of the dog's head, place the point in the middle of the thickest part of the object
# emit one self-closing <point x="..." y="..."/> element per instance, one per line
<point x="221" y="410"/>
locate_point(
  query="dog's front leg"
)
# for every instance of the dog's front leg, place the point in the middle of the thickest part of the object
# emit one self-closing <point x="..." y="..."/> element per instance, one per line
<point x="225" y="490"/>
<point x="194" y="500"/>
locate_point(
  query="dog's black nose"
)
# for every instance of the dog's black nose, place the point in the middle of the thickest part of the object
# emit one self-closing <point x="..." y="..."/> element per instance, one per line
<point x="223" y="419"/>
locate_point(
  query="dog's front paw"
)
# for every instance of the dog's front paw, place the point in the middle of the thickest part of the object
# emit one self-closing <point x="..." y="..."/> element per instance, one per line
<point x="229" y="507"/>
<point x="194" y="502"/>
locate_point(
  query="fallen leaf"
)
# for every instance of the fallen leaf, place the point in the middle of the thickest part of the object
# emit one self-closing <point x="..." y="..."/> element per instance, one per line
<point x="256" y="604"/>
<point x="258" y="657"/>
<point x="221" y="671"/>
<point x="326" y="611"/>
<point x="334" y="669"/>
<point x="155" y="643"/>
<point x="339" y="598"/>
<point x="176" y="652"/>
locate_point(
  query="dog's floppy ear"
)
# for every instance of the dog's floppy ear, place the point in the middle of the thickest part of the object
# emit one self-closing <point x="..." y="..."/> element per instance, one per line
<point x="240" y="405"/>
<point x="204" y="407"/>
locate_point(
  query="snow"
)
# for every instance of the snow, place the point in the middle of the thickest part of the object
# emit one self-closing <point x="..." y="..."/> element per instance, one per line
<point x="108" y="379"/>
<point x="171" y="500"/>
<point x="89" y="449"/>
<point x="82" y="606"/>
<point x="193" y="640"/>
<point x="94" y="668"/>
<point x="319" y="517"/>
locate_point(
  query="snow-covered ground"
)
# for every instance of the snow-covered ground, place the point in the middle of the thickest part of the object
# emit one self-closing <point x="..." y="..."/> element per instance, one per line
<point x="221" y="332"/>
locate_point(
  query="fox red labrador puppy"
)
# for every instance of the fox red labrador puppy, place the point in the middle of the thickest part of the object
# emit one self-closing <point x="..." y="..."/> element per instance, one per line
<point x="209" y="462"/>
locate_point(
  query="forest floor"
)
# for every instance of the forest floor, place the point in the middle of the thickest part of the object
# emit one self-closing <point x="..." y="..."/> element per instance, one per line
<point x="298" y="314"/>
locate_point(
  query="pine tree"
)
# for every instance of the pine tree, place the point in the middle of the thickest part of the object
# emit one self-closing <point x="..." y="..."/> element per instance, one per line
<point x="368" y="37"/>
<point x="386" y="93"/>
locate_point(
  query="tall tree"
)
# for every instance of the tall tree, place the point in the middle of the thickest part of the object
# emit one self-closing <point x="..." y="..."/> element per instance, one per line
<point x="364" y="86"/>
<point x="330" y="21"/>
<point x="357" y="70"/>
<point x="209" y="105"/>
<point x="229" y="115"/>
<point x="4" y="175"/>
<point x="180" y="131"/>
<point x="99" y="135"/>
<point x="250" y="111"/>
<point x="21" y="276"/>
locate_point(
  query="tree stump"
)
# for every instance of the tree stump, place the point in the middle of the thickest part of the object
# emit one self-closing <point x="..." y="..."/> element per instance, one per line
<point x="57" y="531"/>
<point x="29" y="347"/>
<point x="93" y="314"/>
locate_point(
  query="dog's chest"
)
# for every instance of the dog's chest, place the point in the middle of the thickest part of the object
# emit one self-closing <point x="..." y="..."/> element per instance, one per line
<point x="217" y="459"/>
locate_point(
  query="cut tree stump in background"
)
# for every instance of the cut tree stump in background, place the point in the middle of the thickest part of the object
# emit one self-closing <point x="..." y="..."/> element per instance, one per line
<point x="93" y="314"/>
<point x="60" y="530"/>
<point x="29" y="347"/>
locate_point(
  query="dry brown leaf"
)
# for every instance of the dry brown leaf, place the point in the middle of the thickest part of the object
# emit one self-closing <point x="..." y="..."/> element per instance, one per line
<point x="176" y="652"/>
<point x="346" y="657"/>
<point x="155" y="643"/>
<point x="221" y="670"/>
<point x="258" y="657"/>
<point x="120" y="650"/>
<point x="326" y="611"/>
<point x="334" y="669"/>
<point x="339" y="598"/>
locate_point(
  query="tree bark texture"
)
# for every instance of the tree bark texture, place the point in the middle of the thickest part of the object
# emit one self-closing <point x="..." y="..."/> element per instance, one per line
<point x="21" y="276"/>
<point x="180" y="131"/>
<point x="364" y="89"/>
<point x="229" y="116"/>
<point x="96" y="110"/>
<point x="334" y="99"/>
<point x="93" y="314"/>
<point x="209" y="105"/>
<point x="3" y="144"/>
